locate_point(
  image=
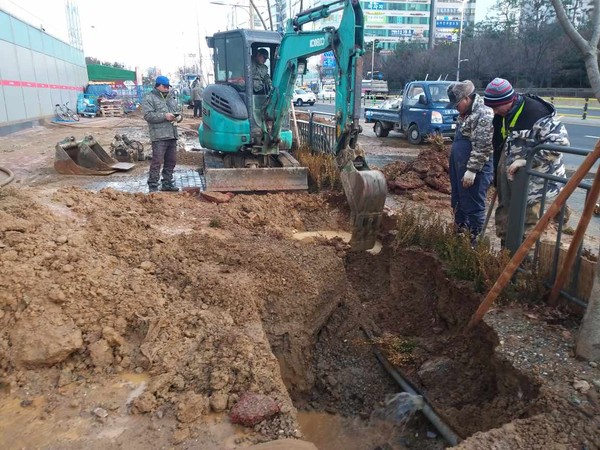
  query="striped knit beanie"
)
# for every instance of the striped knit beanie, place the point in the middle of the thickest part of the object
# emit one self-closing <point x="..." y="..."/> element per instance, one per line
<point x="498" y="92"/>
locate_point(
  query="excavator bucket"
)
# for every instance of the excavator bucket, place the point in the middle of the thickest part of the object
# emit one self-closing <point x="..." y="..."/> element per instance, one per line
<point x="85" y="157"/>
<point x="365" y="191"/>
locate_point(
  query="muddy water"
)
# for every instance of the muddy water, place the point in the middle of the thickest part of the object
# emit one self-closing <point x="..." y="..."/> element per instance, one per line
<point x="384" y="429"/>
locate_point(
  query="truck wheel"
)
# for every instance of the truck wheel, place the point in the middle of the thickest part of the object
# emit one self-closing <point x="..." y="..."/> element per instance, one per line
<point x="380" y="131"/>
<point x="414" y="135"/>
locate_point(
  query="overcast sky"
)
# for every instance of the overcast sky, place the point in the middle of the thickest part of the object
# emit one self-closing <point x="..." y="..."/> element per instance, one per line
<point x="142" y="33"/>
<point x="134" y="32"/>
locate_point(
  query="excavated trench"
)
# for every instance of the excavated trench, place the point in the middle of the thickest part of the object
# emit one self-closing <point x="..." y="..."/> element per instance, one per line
<point x="206" y="302"/>
<point x="415" y="316"/>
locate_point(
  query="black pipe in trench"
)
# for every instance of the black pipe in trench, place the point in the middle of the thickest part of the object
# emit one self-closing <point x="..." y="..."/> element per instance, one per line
<point x="444" y="429"/>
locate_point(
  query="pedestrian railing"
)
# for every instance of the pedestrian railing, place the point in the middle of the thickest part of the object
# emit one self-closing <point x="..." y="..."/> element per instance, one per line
<point x="319" y="136"/>
<point x="517" y="216"/>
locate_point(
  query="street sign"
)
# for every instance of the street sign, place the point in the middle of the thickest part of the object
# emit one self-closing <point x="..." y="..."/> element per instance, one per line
<point x="129" y="84"/>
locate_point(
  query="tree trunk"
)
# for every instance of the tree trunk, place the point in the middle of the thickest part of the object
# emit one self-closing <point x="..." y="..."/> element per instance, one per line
<point x="588" y="341"/>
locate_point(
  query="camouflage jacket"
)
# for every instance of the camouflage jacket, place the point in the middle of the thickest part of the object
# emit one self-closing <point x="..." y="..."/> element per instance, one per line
<point x="154" y="107"/>
<point x="520" y="141"/>
<point x="477" y="127"/>
<point x="260" y="77"/>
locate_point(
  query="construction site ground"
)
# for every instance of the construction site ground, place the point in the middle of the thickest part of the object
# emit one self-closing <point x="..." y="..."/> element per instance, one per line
<point x="131" y="320"/>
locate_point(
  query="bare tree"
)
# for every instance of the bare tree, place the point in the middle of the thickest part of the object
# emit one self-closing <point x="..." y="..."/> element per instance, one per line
<point x="588" y="48"/>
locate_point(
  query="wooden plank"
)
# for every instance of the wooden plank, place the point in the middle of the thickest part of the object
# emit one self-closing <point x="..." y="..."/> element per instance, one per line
<point x="586" y="272"/>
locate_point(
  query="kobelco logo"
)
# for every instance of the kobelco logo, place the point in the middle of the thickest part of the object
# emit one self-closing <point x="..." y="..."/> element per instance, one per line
<point x="317" y="42"/>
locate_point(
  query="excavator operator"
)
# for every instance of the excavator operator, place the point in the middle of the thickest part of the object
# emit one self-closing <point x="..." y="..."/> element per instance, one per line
<point x="261" y="82"/>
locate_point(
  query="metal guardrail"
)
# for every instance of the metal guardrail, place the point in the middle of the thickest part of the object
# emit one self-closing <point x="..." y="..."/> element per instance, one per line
<point x="517" y="215"/>
<point x="320" y="137"/>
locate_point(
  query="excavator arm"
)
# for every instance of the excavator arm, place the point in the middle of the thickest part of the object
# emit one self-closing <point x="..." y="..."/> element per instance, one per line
<point x="297" y="46"/>
<point x="365" y="189"/>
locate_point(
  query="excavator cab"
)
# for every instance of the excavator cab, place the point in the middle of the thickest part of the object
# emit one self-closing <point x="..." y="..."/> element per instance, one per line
<point x="233" y="119"/>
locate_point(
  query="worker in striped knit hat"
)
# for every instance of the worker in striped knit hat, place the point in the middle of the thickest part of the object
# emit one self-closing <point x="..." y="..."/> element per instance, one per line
<point x="522" y="121"/>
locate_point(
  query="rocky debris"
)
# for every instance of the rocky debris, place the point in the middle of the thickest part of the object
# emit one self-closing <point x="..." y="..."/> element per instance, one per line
<point x="100" y="412"/>
<point x="251" y="409"/>
<point x="194" y="407"/>
<point x="216" y="197"/>
<point x="45" y="339"/>
<point x="431" y="168"/>
<point x="101" y="353"/>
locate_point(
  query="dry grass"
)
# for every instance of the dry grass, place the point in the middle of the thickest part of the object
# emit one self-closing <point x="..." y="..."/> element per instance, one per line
<point x="398" y="350"/>
<point x="437" y="142"/>
<point x="425" y="229"/>
<point x="323" y="172"/>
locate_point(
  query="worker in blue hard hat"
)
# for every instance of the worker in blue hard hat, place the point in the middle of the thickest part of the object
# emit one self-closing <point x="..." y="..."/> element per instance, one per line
<point x="161" y="111"/>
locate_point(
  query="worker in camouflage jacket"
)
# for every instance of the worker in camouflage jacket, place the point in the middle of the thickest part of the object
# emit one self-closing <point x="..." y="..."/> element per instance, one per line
<point x="522" y="122"/>
<point x="261" y="82"/>
<point x="471" y="166"/>
<point x="160" y="110"/>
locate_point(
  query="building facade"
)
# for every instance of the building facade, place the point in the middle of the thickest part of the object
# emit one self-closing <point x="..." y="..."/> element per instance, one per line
<point x="39" y="72"/>
<point x="394" y="21"/>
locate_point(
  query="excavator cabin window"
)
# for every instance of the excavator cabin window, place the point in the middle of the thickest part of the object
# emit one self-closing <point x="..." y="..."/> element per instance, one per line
<point x="229" y="62"/>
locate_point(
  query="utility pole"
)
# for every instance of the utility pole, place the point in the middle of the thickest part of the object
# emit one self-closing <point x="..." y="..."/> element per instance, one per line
<point x="462" y="17"/>
<point x="373" y="46"/>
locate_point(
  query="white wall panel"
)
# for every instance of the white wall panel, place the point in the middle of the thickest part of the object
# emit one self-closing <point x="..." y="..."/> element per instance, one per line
<point x="8" y="55"/>
<point x="3" y="116"/>
<point x="25" y="64"/>
<point x="15" y="107"/>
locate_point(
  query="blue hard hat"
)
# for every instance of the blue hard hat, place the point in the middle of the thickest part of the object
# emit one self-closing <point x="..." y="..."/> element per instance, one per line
<point x="162" y="80"/>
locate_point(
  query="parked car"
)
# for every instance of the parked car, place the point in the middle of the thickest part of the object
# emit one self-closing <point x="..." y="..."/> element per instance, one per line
<point x="301" y="97"/>
<point x="326" y="94"/>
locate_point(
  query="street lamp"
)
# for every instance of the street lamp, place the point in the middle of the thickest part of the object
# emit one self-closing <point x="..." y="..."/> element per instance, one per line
<point x="373" y="45"/>
<point x="237" y="5"/>
<point x="251" y="8"/>
<point x="462" y="17"/>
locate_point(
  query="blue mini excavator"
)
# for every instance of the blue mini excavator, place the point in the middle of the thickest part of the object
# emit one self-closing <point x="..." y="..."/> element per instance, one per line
<point x="248" y="135"/>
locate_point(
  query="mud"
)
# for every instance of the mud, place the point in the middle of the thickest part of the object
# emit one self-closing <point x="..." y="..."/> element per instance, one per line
<point x="139" y="321"/>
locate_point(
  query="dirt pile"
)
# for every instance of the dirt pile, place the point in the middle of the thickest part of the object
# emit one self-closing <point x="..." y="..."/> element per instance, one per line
<point x="183" y="290"/>
<point x="428" y="170"/>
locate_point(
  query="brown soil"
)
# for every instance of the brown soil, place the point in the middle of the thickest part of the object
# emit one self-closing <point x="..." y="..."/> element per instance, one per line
<point x="139" y="321"/>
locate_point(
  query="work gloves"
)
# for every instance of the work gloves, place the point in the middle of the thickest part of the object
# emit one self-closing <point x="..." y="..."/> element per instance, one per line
<point x="512" y="169"/>
<point x="468" y="179"/>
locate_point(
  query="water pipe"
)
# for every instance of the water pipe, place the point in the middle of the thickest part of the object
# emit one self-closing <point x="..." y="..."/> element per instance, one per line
<point x="444" y="429"/>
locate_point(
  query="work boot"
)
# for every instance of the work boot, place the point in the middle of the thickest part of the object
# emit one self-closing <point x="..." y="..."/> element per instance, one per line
<point x="169" y="187"/>
<point x="152" y="187"/>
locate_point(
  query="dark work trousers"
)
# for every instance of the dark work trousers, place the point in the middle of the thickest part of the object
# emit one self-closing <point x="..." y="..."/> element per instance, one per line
<point x="163" y="152"/>
<point x="197" y="108"/>
<point x="468" y="203"/>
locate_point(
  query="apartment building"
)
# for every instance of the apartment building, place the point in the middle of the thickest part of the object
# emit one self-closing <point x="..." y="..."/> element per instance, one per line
<point x="393" y="21"/>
